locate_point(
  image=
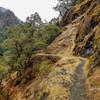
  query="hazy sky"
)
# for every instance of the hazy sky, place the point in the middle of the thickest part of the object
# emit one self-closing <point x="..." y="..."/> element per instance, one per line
<point x="23" y="8"/>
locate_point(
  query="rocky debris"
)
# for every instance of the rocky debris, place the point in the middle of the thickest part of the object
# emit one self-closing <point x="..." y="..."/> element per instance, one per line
<point x="77" y="90"/>
<point x="57" y="84"/>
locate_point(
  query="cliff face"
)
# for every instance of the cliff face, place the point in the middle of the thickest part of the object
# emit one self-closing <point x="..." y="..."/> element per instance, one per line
<point x="88" y="30"/>
<point x="89" y="13"/>
<point x="63" y="77"/>
<point x="8" y="19"/>
<point x="87" y="40"/>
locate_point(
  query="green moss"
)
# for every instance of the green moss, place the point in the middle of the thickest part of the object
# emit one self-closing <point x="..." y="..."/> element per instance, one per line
<point x="92" y="58"/>
<point x="43" y="65"/>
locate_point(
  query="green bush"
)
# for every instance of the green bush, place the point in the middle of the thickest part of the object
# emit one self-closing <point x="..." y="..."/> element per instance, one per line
<point x="2" y="38"/>
<point x="3" y="69"/>
<point x="24" y="40"/>
<point x="40" y="68"/>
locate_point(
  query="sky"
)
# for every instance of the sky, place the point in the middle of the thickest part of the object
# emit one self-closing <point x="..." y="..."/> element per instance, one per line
<point x="24" y="8"/>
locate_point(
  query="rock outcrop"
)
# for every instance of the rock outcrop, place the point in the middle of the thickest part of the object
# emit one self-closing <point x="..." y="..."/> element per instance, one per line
<point x="8" y="18"/>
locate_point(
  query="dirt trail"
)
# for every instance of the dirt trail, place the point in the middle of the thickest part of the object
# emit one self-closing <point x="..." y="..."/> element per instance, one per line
<point x="66" y="80"/>
<point x="77" y="91"/>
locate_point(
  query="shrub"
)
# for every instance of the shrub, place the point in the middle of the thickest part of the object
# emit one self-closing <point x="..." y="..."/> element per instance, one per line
<point x="24" y="40"/>
<point x="40" y="68"/>
<point x="3" y="69"/>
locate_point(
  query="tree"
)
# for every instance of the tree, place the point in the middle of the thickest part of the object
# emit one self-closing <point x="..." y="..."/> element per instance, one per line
<point x="63" y="5"/>
<point x="54" y="21"/>
<point x="2" y="38"/>
<point x="24" y="40"/>
<point x="34" y="19"/>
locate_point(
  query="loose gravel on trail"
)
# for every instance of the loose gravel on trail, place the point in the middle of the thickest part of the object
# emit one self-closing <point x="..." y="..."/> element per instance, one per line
<point x="77" y="91"/>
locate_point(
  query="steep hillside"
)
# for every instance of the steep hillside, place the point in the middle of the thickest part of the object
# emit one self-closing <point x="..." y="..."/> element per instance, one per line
<point x="7" y="18"/>
<point x="60" y="71"/>
<point x="87" y="41"/>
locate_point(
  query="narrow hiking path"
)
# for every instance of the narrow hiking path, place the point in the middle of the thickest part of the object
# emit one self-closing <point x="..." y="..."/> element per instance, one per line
<point x="77" y="90"/>
<point x="66" y="80"/>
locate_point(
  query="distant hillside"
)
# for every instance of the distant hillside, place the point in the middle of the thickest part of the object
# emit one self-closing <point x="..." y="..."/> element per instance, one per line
<point x="8" y="18"/>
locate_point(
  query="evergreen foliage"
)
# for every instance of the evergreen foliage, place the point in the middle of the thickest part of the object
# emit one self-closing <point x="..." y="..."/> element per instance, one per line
<point x="24" y="40"/>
